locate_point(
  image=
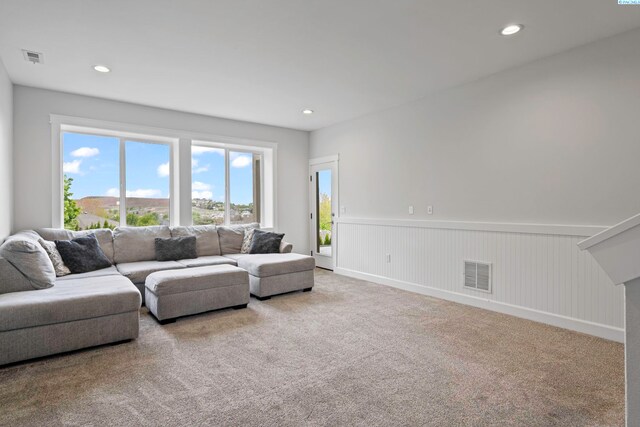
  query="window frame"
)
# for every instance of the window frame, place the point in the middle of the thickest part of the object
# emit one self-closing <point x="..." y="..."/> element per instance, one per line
<point x="228" y="149"/>
<point x="123" y="138"/>
<point x="180" y="142"/>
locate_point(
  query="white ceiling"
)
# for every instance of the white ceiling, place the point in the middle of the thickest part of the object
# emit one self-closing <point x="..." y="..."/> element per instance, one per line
<point x="265" y="60"/>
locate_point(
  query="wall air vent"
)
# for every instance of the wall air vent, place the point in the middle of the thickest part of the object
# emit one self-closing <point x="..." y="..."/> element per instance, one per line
<point x="34" y="57"/>
<point x="477" y="276"/>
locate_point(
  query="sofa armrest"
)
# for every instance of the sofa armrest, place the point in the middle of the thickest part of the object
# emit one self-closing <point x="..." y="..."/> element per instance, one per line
<point x="285" y="247"/>
<point x="11" y="279"/>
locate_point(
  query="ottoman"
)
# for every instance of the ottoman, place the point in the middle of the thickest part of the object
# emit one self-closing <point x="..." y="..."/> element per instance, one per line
<point x="174" y="293"/>
<point x="273" y="274"/>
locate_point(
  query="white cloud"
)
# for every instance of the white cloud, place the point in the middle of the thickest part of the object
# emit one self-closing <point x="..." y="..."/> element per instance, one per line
<point x="241" y="162"/>
<point x="85" y="152"/>
<point x="201" y="195"/>
<point x="198" y="149"/>
<point x="113" y="192"/>
<point x="144" y="193"/>
<point x="164" y="170"/>
<point x="71" y="167"/>
<point x="200" y="186"/>
<point x="196" y="168"/>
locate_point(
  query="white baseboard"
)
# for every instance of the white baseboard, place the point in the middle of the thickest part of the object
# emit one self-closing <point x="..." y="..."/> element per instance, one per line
<point x="585" y="327"/>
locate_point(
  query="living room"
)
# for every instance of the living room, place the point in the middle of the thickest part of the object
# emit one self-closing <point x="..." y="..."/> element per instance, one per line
<point x="323" y="213"/>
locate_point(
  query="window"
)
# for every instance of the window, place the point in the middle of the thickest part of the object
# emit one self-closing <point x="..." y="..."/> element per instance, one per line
<point x="226" y="185"/>
<point x="91" y="181"/>
<point x="96" y="168"/>
<point x="108" y="174"/>
<point x="207" y="185"/>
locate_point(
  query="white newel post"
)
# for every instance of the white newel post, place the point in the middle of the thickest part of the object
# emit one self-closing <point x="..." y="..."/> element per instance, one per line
<point x="632" y="351"/>
<point x="617" y="250"/>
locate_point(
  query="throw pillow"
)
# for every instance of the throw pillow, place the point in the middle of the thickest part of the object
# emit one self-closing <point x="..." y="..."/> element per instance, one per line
<point x="174" y="248"/>
<point x="246" y="242"/>
<point x="55" y="257"/>
<point x="24" y="252"/>
<point x="265" y="242"/>
<point x="83" y="254"/>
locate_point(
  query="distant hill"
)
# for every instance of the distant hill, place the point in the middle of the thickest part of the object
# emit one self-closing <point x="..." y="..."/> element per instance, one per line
<point x="93" y="204"/>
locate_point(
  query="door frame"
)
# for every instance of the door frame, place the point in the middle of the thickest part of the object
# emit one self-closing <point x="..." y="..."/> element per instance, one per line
<point x="334" y="163"/>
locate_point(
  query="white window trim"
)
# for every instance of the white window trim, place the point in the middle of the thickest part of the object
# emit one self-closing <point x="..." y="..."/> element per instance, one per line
<point x="181" y="141"/>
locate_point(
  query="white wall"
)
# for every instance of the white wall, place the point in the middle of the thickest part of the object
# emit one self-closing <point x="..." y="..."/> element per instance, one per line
<point x="33" y="159"/>
<point x="556" y="141"/>
<point x="6" y="153"/>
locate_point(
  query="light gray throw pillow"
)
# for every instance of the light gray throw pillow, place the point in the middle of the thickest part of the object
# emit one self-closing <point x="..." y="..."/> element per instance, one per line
<point x="58" y="264"/>
<point x="24" y="252"/>
<point x="246" y="242"/>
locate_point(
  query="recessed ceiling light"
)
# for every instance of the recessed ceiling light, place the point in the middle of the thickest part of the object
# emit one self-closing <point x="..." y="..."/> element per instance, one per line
<point x="307" y="111"/>
<point x="101" y="68"/>
<point x="510" y="30"/>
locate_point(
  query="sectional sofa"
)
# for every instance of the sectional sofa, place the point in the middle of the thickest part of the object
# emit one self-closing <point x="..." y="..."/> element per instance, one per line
<point x="100" y="307"/>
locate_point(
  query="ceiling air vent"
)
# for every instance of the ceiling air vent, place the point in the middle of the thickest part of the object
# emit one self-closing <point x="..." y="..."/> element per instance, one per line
<point x="477" y="276"/>
<point x="31" y="56"/>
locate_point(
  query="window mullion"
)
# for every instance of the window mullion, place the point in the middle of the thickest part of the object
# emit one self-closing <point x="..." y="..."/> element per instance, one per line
<point x="227" y="198"/>
<point x="123" y="184"/>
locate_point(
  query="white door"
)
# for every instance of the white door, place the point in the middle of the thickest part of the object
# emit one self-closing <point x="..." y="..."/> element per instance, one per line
<point x="323" y="191"/>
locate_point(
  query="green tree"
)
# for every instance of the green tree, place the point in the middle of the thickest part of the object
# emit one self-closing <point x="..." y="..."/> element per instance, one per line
<point x="71" y="208"/>
<point x="325" y="212"/>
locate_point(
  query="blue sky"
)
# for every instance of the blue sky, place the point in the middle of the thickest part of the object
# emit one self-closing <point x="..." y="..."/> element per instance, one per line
<point x="324" y="181"/>
<point x="93" y="163"/>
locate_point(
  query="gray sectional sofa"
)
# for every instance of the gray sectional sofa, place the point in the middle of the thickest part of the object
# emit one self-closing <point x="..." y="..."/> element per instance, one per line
<point x="41" y="314"/>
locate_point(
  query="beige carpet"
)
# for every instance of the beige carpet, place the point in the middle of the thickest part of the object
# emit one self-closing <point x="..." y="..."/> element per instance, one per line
<point x="347" y="353"/>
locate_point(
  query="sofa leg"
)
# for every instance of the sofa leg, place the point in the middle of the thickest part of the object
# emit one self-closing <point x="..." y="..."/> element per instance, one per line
<point x="262" y="298"/>
<point x="307" y="290"/>
<point x="240" y="307"/>
<point x="167" y="321"/>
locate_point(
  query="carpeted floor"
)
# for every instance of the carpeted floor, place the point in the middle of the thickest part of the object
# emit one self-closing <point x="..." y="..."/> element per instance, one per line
<point x="347" y="353"/>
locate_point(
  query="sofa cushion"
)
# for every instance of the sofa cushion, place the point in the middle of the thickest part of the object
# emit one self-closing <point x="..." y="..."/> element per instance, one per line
<point x="236" y="257"/>
<point x="24" y="252"/>
<point x="137" y="272"/>
<point x="12" y="280"/>
<point x="207" y="260"/>
<point x="109" y="271"/>
<point x="132" y="244"/>
<point x="195" y="279"/>
<point x="82" y="254"/>
<point x="104" y="236"/>
<point x="207" y="242"/>
<point x="231" y="237"/>
<point x="67" y="301"/>
<point x="175" y="248"/>
<point x="274" y="264"/>
<point x="265" y="242"/>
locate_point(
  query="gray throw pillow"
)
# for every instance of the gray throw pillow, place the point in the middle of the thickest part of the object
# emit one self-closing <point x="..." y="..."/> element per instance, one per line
<point x="24" y="252"/>
<point x="265" y="242"/>
<point x="56" y="259"/>
<point x="83" y="254"/>
<point x="175" y="248"/>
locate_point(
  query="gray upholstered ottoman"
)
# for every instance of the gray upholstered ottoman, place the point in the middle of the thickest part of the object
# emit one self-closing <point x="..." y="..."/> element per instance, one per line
<point x="174" y="293"/>
<point x="273" y="274"/>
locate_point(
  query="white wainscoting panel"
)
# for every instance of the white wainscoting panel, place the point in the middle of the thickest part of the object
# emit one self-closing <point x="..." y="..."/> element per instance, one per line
<point x="542" y="277"/>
